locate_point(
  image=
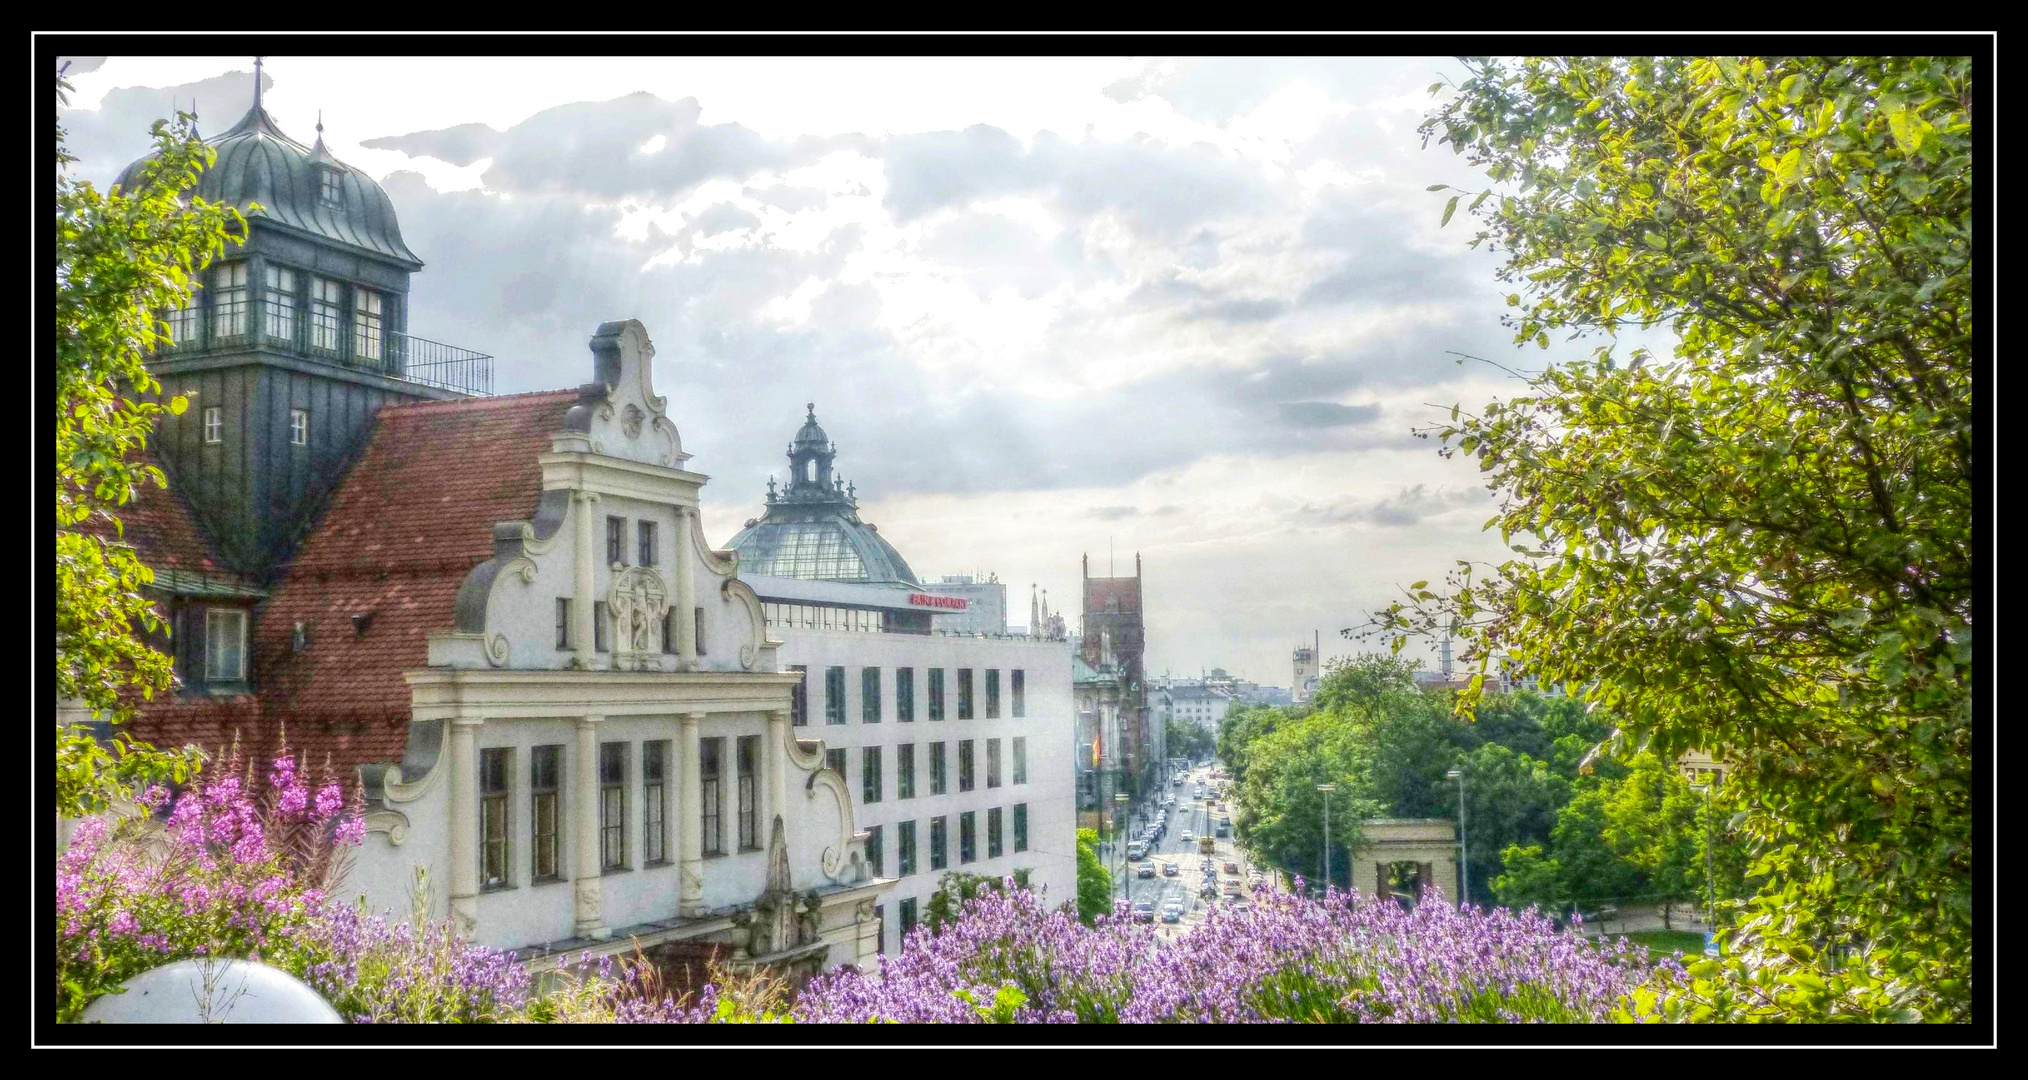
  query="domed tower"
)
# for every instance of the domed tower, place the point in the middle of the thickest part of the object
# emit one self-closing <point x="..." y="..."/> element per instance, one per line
<point x="291" y="342"/>
<point x="812" y="528"/>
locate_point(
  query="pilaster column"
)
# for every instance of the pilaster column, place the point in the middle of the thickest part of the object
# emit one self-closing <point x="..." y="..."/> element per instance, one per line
<point x="584" y="831"/>
<point x="584" y="505"/>
<point x="686" y="593"/>
<point x="777" y="764"/>
<point x="691" y="901"/>
<point x="464" y="779"/>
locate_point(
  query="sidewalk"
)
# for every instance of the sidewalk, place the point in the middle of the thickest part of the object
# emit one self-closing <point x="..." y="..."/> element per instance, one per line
<point x="1635" y="920"/>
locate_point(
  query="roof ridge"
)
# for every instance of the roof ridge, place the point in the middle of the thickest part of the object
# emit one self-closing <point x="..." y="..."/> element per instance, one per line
<point x="493" y="401"/>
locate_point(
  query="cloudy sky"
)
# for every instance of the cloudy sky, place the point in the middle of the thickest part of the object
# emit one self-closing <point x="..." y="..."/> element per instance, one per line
<point x="1189" y="308"/>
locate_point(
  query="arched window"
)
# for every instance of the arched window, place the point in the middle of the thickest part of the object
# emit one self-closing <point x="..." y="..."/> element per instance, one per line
<point x="810" y="470"/>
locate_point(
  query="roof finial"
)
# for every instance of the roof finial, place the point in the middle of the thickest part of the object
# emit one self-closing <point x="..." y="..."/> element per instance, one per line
<point x="320" y="123"/>
<point x="812" y="406"/>
<point x="257" y="82"/>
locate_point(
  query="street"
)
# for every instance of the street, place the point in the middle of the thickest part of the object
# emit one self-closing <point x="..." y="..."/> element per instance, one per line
<point x="1194" y="816"/>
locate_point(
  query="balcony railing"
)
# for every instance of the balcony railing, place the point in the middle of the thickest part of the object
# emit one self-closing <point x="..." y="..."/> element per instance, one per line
<point x="292" y="330"/>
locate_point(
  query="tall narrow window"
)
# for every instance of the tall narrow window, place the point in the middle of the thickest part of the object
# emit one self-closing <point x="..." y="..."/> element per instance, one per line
<point x="873" y="852"/>
<point x="709" y="754"/>
<point x="965" y="765"/>
<point x="835" y="760"/>
<point x="992" y="693"/>
<point x="907" y="921"/>
<point x="992" y="763"/>
<point x="749" y="812"/>
<point x="993" y="833"/>
<point x="937" y="775"/>
<point x="645" y="531"/>
<point x="185" y="322"/>
<point x="327" y="313"/>
<point x="224" y="645"/>
<point x="1020" y="827"/>
<point x="230" y="300"/>
<point x="616" y="541"/>
<point x="904" y="849"/>
<point x="563" y="622"/>
<point x="1020" y="699"/>
<point x="544" y="768"/>
<point x="494" y="768"/>
<point x="366" y="324"/>
<point x="904" y="694"/>
<point x="869" y="775"/>
<point x="601" y="635"/>
<point x="904" y="771"/>
<point x="869" y="695"/>
<point x="329" y="191"/>
<point x="655" y="800"/>
<point x="968" y="836"/>
<point x="299" y="427"/>
<point x="964" y="693"/>
<point x="940" y="843"/>
<point x="279" y="305"/>
<point x="799" y="696"/>
<point x="613" y="806"/>
<point x="936" y="693"/>
<point x="1020" y="759"/>
<point x="669" y="631"/>
<point x="834" y="695"/>
<point x="880" y="921"/>
<point x="697" y="629"/>
<point x="214" y="424"/>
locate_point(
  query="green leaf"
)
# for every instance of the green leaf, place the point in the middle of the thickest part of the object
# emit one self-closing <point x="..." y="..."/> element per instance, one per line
<point x="1789" y="169"/>
<point x="1436" y="187"/>
<point x="1449" y="208"/>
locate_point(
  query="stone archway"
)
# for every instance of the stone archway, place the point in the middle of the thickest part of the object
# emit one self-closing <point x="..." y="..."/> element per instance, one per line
<point x="1426" y="847"/>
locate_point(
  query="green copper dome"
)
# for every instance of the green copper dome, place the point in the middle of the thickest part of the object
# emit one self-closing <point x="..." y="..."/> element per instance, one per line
<point x="812" y="529"/>
<point x="300" y="188"/>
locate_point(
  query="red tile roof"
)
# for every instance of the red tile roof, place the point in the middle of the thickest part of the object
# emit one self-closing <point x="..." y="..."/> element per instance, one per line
<point x="160" y="526"/>
<point x="412" y="516"/>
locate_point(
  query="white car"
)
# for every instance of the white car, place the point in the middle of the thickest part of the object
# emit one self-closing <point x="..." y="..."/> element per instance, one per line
<point x="1187" y="838"/>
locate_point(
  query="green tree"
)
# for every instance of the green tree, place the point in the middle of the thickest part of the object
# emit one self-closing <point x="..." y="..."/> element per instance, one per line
<point x="121" y="257"/>
<point x="1761" y="545"/>
<point x="1280" y="812"/>
<point x="955" y="888"/>
<point x="1528" y="878"/>
<point x="1240" y="728"/>
<point x="1094" y="881"/>
<point x="1510" y="799"/>
<point x="1593" y="875"/>
<point x="1654" y="822"/>
<point x="1188" y="740"/>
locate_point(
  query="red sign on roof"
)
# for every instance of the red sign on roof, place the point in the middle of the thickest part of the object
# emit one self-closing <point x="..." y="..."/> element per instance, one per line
<point x="925" y="600"/>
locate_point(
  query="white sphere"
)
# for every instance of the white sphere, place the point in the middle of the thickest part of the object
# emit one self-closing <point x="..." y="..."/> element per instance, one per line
<point x="239" y="992"/>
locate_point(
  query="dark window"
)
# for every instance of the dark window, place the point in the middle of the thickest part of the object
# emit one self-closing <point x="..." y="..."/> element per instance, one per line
<point x="904" y="771"/>
<point x="968" y="837"/>
<point x="834" y="695"/>
<point x="645" y="530"/>
<point x="904" y="849"/>
<point x="749" y="814"/>
<point x="1020" y="827"/>
<point x="992" y="763"/>
<point x="904" y="694"/>
<point x="612" y="806"/>
<point x="616" y="540"/>
<point x="965" y="765"/>
<point x="494" y="768"/>
<point x="1020" y="699"/>
<point x="669" y="631"/>
<point x="1020" y="759"/>
<point x="964" y="693"/>
<point x="835" y="761"/>
<point x="938" y="778"/>
<point x="709" y="754"/>
<point x="799" y="696"/>
<point x="655" y="802"/>
<point x="940" y="843"/>
<point x="936" y="693"/>
<point x="907" y="921"/>
<point x="869" y="775"/>
<point x="601" y="639"/>
<point x="543" y="773"/>
<point x="697" y="631"/>
<point x="993" y="833"/>
<point x="563" y="622"/>
<point x="869" y="695"/>
<point x="992" y="693"/>
<point x="873" y="852"/>
<point x="880" y="921"/>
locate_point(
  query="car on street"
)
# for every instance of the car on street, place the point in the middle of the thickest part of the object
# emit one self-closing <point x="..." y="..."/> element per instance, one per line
<point x="1147" y="870"/>
<point x="1169" y="870"/>
<point x="1224" y="831"/>
<point x="1172" y="912"/>
<point x="1232" y="890"/>
<point x="1232" y="868"/>
<point x="1209" y="891"/>
<point x="1135" y="851"/>
<point x="1187" y="837"/>
<point x="1144" y="911"/>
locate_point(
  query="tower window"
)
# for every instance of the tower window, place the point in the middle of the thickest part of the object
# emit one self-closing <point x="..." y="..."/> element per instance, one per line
<point x="229" y="320"/>
<point x="214" y="424"/>
<point x="279" y="304"/>
<point x="184" y="324"/>
<point x="299" y="427"/>
<point x="327" y="303"/>
<point x="329" y="190"/>
<point x="366" y="324"/>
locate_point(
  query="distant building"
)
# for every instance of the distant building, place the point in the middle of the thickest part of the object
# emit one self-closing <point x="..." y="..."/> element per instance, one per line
<point x="1112" y="620"/>
<point x="1307" y="673"/>
<point x="985" y="610"/>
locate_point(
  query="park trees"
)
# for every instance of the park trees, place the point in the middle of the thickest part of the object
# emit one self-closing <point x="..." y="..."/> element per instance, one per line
<point x="1760" y="545"/>
<point x="1094" y="881"/>
<point x="121" y="257"/>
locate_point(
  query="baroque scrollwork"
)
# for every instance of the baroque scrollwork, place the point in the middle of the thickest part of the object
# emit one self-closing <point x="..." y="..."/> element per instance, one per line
<point x="638" y="600"/>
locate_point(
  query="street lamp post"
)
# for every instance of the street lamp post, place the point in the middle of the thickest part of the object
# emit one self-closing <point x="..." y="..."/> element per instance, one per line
<point x="1327" y="789"/>
<point x="1710" y="876"/>
<point x="1464" y="864"/>
<point x="1120" y="806"/>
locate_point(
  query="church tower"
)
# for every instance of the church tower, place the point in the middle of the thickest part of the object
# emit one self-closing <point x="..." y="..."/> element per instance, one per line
<point x="291" y="342"/>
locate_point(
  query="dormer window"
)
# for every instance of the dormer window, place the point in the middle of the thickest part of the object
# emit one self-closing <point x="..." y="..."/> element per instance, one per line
<point x="224" y="645"/>
<point x="329" y="192"/>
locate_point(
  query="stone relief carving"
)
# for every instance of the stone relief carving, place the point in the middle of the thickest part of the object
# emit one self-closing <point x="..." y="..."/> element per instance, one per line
<point x="810" y="923"/>
<point x="588" y="894"/>
<point x="773" y="925"/>
<point x="630" y="421"/>
<point x="638" y="601"/>
<point x="496" y="650"/>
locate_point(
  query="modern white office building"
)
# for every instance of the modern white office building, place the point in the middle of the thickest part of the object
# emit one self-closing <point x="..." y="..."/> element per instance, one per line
<point x="956" y="748"/>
